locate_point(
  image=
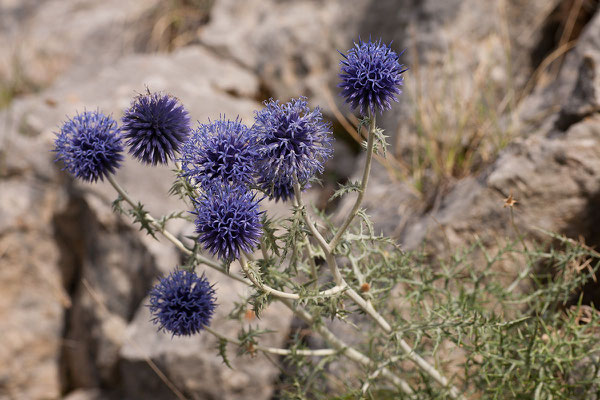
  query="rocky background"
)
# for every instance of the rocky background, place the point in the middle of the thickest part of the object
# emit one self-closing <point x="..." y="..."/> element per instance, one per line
<point x="502" y="97"/>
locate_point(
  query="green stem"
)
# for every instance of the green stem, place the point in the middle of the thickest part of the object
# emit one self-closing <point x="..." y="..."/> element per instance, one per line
<point x="363" y="186"/>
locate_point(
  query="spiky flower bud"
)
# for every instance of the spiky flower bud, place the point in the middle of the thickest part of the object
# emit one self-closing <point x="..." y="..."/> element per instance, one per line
<point x="293" y="142"/>
<point x="228" y="221"/>
<point x="182" y="303"/>
<point x="220" y="152"/>
<point x="90" y="146"/>
<point x="155" y="127"/>
<point x="371" y="76"/>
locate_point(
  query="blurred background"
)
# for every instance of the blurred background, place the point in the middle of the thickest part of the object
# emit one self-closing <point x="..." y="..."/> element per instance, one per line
<point x="501" y="97"/>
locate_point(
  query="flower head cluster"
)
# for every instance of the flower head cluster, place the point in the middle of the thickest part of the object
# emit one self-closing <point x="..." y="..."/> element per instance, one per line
<point x="220" y="152"/>
<point x="371" y="76"/>
<point x="294" y="143"/>
<point x="155" y="127"/>
<point x="90" y="146"/>
<point x="182" y="303"/>
<point x="228" y="221"/>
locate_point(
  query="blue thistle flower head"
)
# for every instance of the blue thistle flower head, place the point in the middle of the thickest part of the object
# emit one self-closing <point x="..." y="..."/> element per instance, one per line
<point x="182" y="303"/>
<point x="228" y="221"/>
<point x="220" y="152"/>
<point x="155" y="127"/>
<point x="293" y="142"/>
<point x="90" y="146"/>
<point x="281" y="190"/>
<point x="371" y="76"/>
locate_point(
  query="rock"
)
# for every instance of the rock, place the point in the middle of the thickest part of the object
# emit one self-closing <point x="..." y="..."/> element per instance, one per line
<point x="33" y="301"/>
<point x="553" y="173"/>
<point x="112" y="272"/>
<point x="444" y="43"/>
<point x="48" y="37"/>
<point x="89" y="394"/>
<point x="291" y="46"/>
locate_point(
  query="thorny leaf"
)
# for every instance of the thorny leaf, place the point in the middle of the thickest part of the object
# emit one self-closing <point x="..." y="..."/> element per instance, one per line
<point x="380" y="144"/>
<point x="139" y="216"/>
<point x="117" y="205"/>
<point x="222" y="348"/>
<point x="346" y="188"/>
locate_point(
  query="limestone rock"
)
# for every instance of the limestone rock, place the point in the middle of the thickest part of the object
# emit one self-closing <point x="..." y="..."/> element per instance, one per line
<point x="33" y="300"/>
<point x="111" y="274"/>
<point x="90" y="394"/>
<point x="45" y="38"/>
<point x="290" y="45"/>
<point x="293" y="47"/>
<point x="553" y="173"/>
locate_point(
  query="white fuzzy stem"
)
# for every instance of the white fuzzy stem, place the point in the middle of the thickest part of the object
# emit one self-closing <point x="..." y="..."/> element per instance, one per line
<point x="330" y="258"/>
<point x="346" y="349"/>
<point x="311" y="226"/>
<point x="278" y="293"/>
<point x="276" y="350"/>
<point x="410" y="353"/>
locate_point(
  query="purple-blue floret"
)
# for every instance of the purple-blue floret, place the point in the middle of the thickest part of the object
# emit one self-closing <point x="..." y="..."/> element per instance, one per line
<point x="371" y="76"/>
<point x="90" y="146"/>
<point x="228" y="221"/>
<point x="294" y="143"/>
<point x="220" y="152"/>
<point x="182" y="303"/>
<point x="155" y="127"/>
<point x="283" y="190"/>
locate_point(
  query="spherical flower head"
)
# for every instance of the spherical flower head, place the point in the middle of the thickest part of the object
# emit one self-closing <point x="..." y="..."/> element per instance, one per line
<point x="182" y="303"/>
<point x="155" y="127"/>
<point x="294" y="143"/>
<point x="90" y="146"/>
<point x="371" y="76"/>
<point x="228" y="221"/>
<point x="220" y="152"/>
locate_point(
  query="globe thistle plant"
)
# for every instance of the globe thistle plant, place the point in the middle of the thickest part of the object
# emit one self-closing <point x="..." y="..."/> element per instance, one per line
<point x="182" y="303"/>
<point x="90" y="146"/>
<point x="317" y="268"/>
<point x="371" y="76"/>
<point x="228" y="221"/>
<point x="220" y="152"/>
<point x="294" y="143"/>
<point x="155" y="127"/>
